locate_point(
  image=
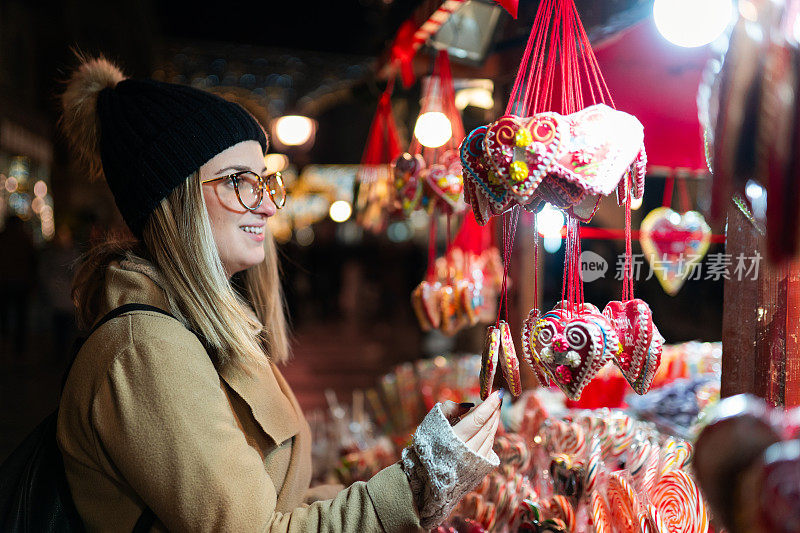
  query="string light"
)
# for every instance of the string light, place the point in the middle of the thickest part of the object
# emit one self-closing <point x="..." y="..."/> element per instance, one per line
<point x="294" y="130"/>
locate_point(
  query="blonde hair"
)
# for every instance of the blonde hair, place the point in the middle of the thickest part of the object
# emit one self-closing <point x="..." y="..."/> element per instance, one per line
<point x="179" y="239"/>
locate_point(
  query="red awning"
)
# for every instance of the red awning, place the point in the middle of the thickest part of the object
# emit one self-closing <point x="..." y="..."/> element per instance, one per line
<point x="657" y="82"/>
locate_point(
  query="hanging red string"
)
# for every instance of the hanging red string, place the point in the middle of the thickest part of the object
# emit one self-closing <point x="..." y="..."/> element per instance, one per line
<point x="686" y="203"/>
<point x="558" y="71"/>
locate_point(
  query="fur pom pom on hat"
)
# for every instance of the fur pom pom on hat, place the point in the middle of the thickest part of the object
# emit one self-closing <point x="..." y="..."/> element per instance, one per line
<point x="147" y="137"/>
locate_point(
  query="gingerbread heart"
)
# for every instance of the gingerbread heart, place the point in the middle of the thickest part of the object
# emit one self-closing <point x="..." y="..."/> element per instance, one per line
<point x="572" y="348"/>
<point x="489" y="357"/>
<point x="633" y="323"/>
<point x="482" y="181"/>
<point x="407" y="170"/>
<point x="521" y="150"/>
<point x="527" y="348"/>
<point x="651" y="363"/>
<point x="601" y="146"/>
<point x="446" y="186"/>
<point x="673" y="243"/>
<point x="635" y="177"/>
<point x="509" y="361"/>
<point x="425" y="302"/>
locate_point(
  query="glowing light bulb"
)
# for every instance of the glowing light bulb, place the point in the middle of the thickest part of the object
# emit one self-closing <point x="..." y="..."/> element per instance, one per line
<point x="433" y="129"/>
<point x="549" y="222"/>
<point x="294" y="130"/>
<point x="340" y="211"/>
<point x="691" y="23"/>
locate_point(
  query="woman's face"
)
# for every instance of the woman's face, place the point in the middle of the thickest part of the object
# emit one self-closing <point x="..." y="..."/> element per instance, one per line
<point x="238" y="232"/>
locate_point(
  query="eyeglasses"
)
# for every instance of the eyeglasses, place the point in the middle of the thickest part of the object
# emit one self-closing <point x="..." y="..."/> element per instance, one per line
<point x="247" y="189"/>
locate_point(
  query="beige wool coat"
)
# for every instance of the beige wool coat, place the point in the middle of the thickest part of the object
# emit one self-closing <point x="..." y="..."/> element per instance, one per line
<point x="146" y="419"/>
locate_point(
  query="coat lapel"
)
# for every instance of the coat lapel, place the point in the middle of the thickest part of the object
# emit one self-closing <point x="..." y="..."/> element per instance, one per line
<point x="272" y="409"/>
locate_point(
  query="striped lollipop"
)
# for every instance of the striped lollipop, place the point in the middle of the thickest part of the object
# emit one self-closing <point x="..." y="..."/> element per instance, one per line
<point x="624" y="504"/>
<point x="679" y="503"/>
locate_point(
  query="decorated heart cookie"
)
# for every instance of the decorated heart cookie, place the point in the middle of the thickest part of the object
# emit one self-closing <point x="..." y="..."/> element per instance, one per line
<point x="407" y="171"/>
<point x="509" y="361"/>
<point x="673" y="243"/>
<point x="487" y="193"/>
<point x="491" y="352"/>
<point x="521" y="150"/>
<point x="528" y="352"/>
<point x="425" y="302"/>
<point x="572" y="348"/>
<point x="445" y="187"/>
<point x="603" y="143"/>
<point x="651" y="363"/>
<point x="633" y="323"/>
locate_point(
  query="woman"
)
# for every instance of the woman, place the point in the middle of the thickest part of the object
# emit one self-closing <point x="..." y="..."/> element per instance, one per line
<point x="187" y="415"/>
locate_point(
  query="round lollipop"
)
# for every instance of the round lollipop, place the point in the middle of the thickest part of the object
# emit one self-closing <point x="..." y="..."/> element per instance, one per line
<point x="677" y="499"/>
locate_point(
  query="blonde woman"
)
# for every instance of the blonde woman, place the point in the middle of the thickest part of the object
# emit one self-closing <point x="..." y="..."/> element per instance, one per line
<point x="175" y="416"/>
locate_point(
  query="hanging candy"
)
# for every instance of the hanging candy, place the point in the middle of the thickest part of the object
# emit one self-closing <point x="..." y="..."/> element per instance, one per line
<point x="491" y="353"/>
<point x="572" y="349"/>
<point x="672" y="242"/>
<point x="429" y="177"/>
<point x="509" y="360"/>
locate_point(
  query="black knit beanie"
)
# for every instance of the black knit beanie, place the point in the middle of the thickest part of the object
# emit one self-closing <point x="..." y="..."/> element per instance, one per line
<point x="150" y="136"/>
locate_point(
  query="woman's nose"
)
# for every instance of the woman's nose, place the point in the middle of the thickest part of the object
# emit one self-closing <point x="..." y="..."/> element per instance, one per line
<point x="267" y="207"/>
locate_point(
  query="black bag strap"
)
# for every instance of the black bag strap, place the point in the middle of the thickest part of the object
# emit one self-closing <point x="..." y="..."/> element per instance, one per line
<point x="148" y="517"/>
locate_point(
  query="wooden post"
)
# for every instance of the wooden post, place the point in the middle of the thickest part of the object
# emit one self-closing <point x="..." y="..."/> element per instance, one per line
<point x="761" y="322"/>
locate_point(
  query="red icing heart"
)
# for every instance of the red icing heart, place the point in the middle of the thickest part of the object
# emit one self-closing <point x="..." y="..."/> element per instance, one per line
<point x="602" y="145"/>
<point x="572" y="348"/>
<point x="445" y="186"/>
<point x="676" y="241"/>
<point x="633" y="324"/>
<point x="651" y="363"/>
<point x="520" y="150"/>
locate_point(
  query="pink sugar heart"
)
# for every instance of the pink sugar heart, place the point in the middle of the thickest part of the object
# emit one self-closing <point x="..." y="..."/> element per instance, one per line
<point x="633" y="323"/>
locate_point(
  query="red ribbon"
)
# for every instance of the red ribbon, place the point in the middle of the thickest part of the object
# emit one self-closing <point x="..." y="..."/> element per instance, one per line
<point x="402" y="52"/>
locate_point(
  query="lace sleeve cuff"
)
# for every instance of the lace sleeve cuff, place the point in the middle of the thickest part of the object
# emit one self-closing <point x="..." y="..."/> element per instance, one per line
<point x="441" y="469"/>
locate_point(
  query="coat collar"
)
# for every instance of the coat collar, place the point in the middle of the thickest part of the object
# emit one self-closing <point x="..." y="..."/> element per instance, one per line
<point x="262" y="387"/>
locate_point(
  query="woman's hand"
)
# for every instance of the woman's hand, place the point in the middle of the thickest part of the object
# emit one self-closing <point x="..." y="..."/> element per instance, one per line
<point x="477" y="427"/>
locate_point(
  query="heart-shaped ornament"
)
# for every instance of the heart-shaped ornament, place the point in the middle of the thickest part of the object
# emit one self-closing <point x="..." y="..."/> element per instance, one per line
<point x="407" y="170"/>
<point x="425" y="302"/>
<point x="520" y="150"/>
<point x="509" y="361"/>
<point x="636" y="174"/>
<point x="673" y="243"/>
<point x="651" y="363"/>
<point x="602" y="145"/>
<point x="528" y="352"/>
<point x="489" y="357"/>
<point x="633" y="324"/>
<point x="445" y="186"/>
<point x="572" y="348"/>
<point x="485" y="189"/>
